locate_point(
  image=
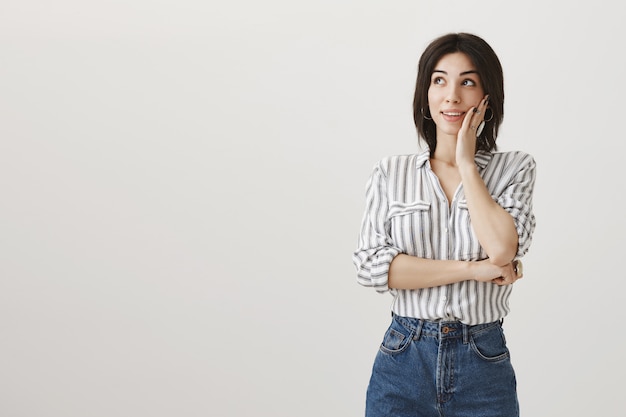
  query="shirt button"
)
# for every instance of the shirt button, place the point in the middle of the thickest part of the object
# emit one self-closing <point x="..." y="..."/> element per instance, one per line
<point x="444" y="298"/>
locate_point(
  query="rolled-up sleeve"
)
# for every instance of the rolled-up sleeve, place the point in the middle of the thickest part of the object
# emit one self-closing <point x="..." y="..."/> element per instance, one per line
<point x="375" y="249"/>
<point x="517" y="200"/>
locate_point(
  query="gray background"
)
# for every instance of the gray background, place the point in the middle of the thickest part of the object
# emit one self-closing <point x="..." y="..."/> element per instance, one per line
<point x="182" y="184"/>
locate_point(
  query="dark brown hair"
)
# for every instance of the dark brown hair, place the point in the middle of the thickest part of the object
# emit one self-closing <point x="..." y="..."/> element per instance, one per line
<point x="491" y="77"/>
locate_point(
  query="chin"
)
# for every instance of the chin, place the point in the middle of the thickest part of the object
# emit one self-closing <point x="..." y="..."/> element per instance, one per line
<point x="451" y="132"/>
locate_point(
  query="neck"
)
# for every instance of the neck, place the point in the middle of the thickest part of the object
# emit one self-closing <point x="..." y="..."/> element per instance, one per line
<point x="445" y="152"/>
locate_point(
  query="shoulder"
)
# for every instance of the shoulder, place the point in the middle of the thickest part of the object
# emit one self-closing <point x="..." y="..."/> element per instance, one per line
<point x="395" y="163"/>
<point x="519" y="159"/>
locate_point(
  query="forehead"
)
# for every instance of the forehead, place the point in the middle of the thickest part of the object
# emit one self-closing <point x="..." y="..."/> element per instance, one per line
<point x="455" y="63"/>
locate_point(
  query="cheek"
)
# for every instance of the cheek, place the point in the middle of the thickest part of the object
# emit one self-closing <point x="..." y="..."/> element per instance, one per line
<point x="435" y="96"/>
<point x="432" y="100"/>
<point x="477" y="95"/>
<point x="431" y="95"/>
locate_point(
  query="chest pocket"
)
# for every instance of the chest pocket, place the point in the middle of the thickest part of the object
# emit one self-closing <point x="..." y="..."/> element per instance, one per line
<point x="398" y="208"/>
<point x="410" y="226"/>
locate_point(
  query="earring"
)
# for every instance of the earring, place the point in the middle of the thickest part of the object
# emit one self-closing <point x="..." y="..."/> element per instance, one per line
<point x="426" y="117"/>
<point x="490" y="117"/>
<point x="481" y="126"/>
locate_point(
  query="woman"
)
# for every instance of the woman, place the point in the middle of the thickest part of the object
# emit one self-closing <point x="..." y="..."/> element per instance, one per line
<point x="442" y="232"/>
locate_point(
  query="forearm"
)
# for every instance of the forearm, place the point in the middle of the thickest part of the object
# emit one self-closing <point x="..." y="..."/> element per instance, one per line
<point x="410" y="273"/>
<point x="494" y="226"/>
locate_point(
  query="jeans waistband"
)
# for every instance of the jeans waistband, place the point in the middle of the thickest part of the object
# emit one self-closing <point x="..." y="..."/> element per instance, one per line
<point x="442" y="329"/>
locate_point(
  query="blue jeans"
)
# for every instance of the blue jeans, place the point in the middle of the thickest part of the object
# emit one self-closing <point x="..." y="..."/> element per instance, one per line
<point x="447" y="369"/>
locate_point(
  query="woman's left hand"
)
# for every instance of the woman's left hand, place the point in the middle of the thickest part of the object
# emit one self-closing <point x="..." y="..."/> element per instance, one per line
<point x="511" y="273"/>
<point x="467" y="136"/>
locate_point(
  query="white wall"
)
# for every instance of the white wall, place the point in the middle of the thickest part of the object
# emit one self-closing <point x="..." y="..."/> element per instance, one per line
<point x="182" y="185"/>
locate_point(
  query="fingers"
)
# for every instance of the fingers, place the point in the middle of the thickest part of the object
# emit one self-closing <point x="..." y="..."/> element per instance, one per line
<point x="477" y="116"/>
<point x="469" y="131"/>
<point x="504" y="281"/>
<point x="511" y="273"/>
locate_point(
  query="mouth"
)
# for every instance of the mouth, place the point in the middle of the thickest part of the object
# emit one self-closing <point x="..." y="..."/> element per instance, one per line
<point x="453" y="116"/>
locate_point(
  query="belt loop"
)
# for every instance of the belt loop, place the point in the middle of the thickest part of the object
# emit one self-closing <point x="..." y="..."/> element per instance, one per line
<point x="418" y="331"/>
<point x="465" y="334"/>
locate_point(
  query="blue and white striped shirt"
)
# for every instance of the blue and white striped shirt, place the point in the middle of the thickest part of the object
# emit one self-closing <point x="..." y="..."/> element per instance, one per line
<point x="408" y="212"/>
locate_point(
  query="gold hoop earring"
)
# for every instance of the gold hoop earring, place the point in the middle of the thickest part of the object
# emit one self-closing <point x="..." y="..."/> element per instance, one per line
<point x="426" y="117"/>
<point x="490" y="117"/>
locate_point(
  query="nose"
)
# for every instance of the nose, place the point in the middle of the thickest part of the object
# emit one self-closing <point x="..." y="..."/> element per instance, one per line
<point x="453" y="95"/>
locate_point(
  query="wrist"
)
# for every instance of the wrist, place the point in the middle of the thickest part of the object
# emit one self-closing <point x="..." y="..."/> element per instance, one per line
<point x="470" y="270"/>
<point x="467" y="168"/>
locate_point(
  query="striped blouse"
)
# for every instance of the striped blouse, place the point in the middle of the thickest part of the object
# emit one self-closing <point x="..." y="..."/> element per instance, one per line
<point x="408" y="212"/>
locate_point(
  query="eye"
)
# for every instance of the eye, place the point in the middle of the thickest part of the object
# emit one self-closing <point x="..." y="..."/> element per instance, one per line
<point x="437" y="80"/>
<point x="469" y="82"/>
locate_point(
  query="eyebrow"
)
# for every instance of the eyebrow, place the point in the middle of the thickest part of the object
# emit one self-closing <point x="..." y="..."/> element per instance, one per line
<point x="463" y="73"/>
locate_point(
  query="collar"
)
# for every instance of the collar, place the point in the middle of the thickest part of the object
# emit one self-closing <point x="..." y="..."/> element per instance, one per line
<point x="481" y="158"/>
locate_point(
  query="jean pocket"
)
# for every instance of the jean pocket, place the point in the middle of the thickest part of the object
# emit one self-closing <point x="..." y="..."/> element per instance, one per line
<point x="489" y="344"/>
<point x="396" y="339"/>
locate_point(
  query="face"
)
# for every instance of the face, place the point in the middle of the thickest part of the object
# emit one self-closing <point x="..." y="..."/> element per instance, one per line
<point x="454" y="88"/>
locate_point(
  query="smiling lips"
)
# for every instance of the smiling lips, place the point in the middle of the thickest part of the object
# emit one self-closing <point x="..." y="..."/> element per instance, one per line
<point x="452" y="116"/>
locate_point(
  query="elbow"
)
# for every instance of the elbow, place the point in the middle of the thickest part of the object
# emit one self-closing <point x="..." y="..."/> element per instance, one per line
<point x="499" y="261"/>
<point x="503" y="256"/>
